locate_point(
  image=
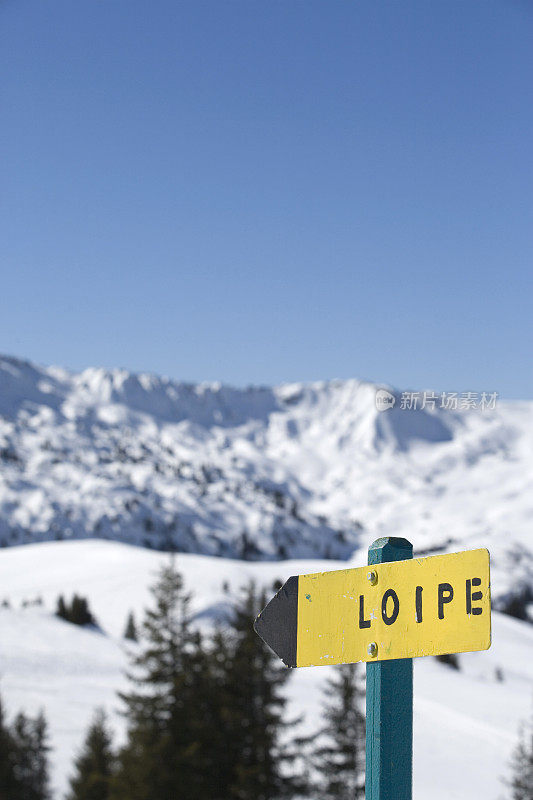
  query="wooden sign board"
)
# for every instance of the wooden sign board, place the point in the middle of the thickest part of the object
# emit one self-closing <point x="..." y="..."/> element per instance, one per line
<point x="402" y="609"/>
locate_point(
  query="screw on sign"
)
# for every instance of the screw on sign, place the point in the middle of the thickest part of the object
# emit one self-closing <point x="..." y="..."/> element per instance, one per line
<point x="400" y="609"/>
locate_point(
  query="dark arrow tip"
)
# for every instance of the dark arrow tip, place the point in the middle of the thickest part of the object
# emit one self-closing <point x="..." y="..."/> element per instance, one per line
<point x="277" y="624"/>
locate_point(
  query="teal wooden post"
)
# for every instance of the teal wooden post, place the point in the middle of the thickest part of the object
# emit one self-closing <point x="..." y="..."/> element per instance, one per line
<point x="389" y="707"/>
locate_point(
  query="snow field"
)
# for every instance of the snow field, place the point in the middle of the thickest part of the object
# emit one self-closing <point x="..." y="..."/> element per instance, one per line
<point x="465" y="722"/>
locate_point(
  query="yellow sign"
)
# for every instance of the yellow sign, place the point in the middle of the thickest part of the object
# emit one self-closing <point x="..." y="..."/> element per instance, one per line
<point x="402" y="609"/>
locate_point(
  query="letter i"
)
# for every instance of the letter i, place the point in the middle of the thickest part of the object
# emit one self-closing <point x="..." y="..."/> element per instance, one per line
<point x="418" y="603"/>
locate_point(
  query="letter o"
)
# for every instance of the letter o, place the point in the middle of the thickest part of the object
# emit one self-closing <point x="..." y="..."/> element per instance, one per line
<point x="395" y="611"/>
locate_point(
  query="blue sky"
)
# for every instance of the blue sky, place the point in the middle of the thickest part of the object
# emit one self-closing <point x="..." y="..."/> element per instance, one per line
<point x="257" y="192"/>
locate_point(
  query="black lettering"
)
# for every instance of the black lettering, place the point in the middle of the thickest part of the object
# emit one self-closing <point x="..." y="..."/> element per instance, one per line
<point x="363" y="623"/>
<point x="418" y="603"/>
<point x="396" y="609"/>
<point x="445" y="596"/>
<point x="470" y="595"/>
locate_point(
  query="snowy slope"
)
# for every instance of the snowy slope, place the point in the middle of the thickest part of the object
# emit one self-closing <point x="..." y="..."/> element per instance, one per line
<point x="465" y="722"/>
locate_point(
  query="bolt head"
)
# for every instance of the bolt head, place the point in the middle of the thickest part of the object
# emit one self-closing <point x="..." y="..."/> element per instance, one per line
<point x="372" y="649"/>
<point x="372" y="577"/>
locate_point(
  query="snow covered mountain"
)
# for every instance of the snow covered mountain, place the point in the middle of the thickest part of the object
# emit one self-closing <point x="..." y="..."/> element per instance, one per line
<point x="295" y="471"/>
<point x="309" y="472"/>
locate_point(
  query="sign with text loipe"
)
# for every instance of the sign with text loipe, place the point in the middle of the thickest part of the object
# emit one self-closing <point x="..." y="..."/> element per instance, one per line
<point x="402" y="609"/>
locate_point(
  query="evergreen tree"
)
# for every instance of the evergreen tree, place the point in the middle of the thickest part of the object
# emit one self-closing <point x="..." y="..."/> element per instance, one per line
<point x="61" y="608"/>
<point x="167" y="710"/>
<point x="340" y="756"/>
<point x="518" y="603"/>
<point x="521" y="783"/>
<point x="30" y="763"/>
<point x="77" y="611"/>
<point x="256" y="758"/>
<point x="204" y="722"/>
<point x="8" y="784"/>
<point x="130" y="632"/>
<point x="95" y="764"/>
<point x="23" y="758"/>
<point x="450" y="659"/>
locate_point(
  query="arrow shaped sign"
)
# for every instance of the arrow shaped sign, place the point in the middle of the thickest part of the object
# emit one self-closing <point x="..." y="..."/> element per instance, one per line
<point x="402" y="609"/>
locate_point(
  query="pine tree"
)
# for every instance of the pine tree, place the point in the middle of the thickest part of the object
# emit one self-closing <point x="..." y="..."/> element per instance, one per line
<point x="8" y="784"/>
<point x="41" y="750"/>
<point x="95" y="764"/>
<point x="204" y="722"/>
<point x="61" y="608"/>
<point x="24" y="758"/>
<point x="30" y="762"/>
<point x="77" y="611"/>
<point x="130" y="632"/>
<point x="255" y="755"/>
<point x="521" y="783"/>
<point x="450" y="659"/>
<point x="340" y="756"/>
<point x="167" y="713"/>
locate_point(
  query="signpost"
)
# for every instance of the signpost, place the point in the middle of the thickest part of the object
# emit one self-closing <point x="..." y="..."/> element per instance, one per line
<point x="385" y="614"/>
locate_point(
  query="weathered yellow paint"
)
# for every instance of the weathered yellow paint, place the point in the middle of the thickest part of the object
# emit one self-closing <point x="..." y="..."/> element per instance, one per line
<point x="329" y="629"/>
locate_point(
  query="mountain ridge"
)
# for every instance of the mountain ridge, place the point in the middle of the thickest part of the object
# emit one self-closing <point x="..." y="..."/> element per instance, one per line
<point x="262" y="473"/>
